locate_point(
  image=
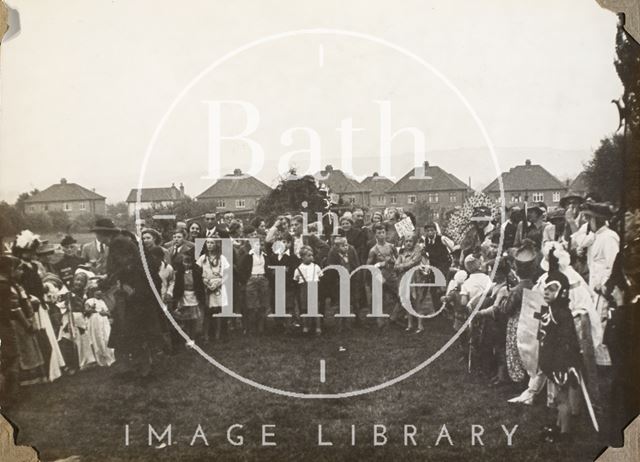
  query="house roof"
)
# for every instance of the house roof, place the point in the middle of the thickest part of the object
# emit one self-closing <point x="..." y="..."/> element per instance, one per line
<point x="527" y="177"/>
<point x="64" y="191"/>
<point x="580" y="185"/>
<point x="236" y="184"/>
<point x="376" y="184"/>
<point x="437" y="180"/>
<point x="338" y="182"/>
<point x="156" y="194"/>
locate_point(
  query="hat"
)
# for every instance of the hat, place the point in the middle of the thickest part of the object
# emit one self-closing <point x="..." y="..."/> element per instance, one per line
<point x="45" y="249"/>
<point x="431" y="226"/>
<point x="597" y="209"/>
<point x="157" y="237"/>
<point x="541" y="207"/>
<point x="104" y="225"/>
<point x="526" y="253"/>
<point x="555" y="276"/>
<point x="570" y="197"/>
<point x="556" y="213"/>
<point x="482" y="213"/>
<point x="26" y="241"/>
<point x="472" y="264"/>
<point x="67" y="240"/>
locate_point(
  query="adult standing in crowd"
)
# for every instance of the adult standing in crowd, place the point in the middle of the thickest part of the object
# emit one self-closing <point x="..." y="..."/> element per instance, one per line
<point x="532" y="227"/>
<point x="67" y="265"/>
<point x="137" y="332"/>
<point x="96" y="252"/>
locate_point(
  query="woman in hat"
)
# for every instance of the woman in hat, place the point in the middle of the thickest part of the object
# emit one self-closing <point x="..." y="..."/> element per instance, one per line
<point x="21" y="358"/>
<point x="25" y="248"/>
<point x="533" y="226"/>
<point x="138" y="322"/>
<point x="557" y="230"/>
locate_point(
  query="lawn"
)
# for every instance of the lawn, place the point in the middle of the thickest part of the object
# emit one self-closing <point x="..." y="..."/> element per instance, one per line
<point x="86" y="414"/>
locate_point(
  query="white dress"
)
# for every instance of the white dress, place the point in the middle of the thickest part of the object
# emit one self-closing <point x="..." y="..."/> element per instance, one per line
<point x="99" y="329"/>
<point x="212" y="274"/>
<point x="56" y="362"/>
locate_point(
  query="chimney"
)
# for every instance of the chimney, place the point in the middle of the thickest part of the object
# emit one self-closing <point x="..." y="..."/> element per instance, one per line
<point x="237" y="172"/>
<point x="328" y="168"/>
<point x="426" y="165"/>
<point x="63" y="181"/>
<point x="375" y="174"/>
<point x="469" y="182"/>
<point x="527" y="162"/>
<point x="567" y="183"/>
<point x="181" y="189"/>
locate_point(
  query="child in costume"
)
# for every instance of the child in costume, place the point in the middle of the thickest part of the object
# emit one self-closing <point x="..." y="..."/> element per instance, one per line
<point x="559" y="353"/>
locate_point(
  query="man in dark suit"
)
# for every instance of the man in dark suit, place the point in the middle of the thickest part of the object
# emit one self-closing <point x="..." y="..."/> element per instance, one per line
<point x="96" y="252"/>
<point x="180" y="246"/>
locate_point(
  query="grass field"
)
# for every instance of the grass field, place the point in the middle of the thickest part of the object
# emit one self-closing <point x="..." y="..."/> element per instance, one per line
<point x="86" y="414"/>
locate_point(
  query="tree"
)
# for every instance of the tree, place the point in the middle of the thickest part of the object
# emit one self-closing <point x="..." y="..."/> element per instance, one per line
<point x="38" y="222"/>
<point x="59" y="221"/>
<point x="119" y="213"/>
<point x="11" y="220"/>
<point x="604" y="170"/>
<point x="22" y="198"/>
<point x="628" y="68"/>
<point x="293" y="195"/>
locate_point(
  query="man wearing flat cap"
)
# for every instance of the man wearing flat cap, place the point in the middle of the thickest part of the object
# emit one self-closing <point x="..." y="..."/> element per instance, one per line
<point x="96" y="252"/>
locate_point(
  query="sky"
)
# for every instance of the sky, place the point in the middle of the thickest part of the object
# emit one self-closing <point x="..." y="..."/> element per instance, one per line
<point x="87" y="86"/>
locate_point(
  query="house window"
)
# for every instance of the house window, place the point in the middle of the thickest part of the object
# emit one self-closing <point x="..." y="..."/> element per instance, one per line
<point x="31" y="208"/>
<point x="393" y="200"/>
<point x="46" y="208"/>
<point x="220" y="203"/>
<point x="240" y="203"/>
<point x="411" y="199"/>
<point x="537" y="197"/>
<point x="436" y="215"/>
<point x="83" y="206"/>
<point x="433" y="197"/>
<point x="453" y="197"/>
<point x="380" y="199"/>
<point x="515" y="198"/>
<point x="351" y="199"/>
<point x="556" y="197"/>
<point x="66" y="207"/>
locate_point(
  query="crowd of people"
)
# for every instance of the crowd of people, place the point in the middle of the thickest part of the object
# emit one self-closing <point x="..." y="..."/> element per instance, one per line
<point x="103" y="302"/>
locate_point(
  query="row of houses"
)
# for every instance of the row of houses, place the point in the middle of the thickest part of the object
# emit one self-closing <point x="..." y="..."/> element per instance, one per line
<point x="239" y="192"/>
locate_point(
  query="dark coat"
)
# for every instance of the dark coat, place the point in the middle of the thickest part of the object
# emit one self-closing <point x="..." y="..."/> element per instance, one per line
<point x="198" y="284"/>
<point x="559" y="347"/>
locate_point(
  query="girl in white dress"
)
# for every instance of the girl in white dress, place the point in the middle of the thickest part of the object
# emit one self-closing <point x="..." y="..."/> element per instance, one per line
<point x="99" y="327"/>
